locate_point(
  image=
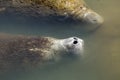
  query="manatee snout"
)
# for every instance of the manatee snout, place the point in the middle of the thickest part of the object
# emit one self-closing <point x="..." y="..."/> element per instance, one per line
<point x="93" y="17"/>
<point x="87" y="15"/>
<point x="74" y="45"/>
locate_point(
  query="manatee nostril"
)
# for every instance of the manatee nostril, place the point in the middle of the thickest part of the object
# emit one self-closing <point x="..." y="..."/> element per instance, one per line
<point x="75" y="38"/>
<point x="94" y="20"/>
<point x="75" y="42"/>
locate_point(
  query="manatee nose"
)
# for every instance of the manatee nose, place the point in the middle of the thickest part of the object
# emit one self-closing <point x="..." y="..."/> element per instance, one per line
<point x="93" y="17"/>
<point x="75" y="41"/>
<point x="78" y="41"/>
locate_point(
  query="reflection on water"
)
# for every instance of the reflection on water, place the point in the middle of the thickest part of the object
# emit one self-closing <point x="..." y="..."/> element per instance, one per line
<point x="101" y="61"/>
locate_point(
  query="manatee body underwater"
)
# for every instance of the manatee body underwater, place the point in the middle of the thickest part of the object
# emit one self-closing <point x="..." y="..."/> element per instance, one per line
<point x="77" y="10"/>
<point x="27" y="51"/>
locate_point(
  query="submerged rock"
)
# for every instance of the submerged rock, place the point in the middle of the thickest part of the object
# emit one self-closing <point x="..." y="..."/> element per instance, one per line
<point x="76" y="10"/>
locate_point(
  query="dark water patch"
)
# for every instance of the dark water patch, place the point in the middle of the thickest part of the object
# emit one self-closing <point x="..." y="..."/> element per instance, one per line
<point x="44" y="24"/>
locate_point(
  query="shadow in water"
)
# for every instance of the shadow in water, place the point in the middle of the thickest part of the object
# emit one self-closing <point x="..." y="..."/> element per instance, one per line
<point x="44" y="25"/>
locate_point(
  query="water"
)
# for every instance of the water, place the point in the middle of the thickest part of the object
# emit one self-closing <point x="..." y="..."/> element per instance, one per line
<point x="102" y="54"/>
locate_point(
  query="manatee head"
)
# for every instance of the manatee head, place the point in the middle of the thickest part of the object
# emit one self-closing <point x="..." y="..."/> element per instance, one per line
<point x="79" y="11"/>
<point x="62" y="48"/>
<point x="73" y="46"/>
<point x="83" y="13"/>
<point x="91" y="17"/>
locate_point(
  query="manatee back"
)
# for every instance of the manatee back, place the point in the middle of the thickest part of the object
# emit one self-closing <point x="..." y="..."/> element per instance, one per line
<point x="41" y="7"/>
<point x="15" y="51"/>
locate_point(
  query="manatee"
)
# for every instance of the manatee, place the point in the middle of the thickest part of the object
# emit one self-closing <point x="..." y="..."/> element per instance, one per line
<point x="77" y="10"/>
<point x="22" y="51"/>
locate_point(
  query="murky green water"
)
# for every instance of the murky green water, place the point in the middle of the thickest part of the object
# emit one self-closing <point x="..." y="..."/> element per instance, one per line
<point x="102" y="47"/>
